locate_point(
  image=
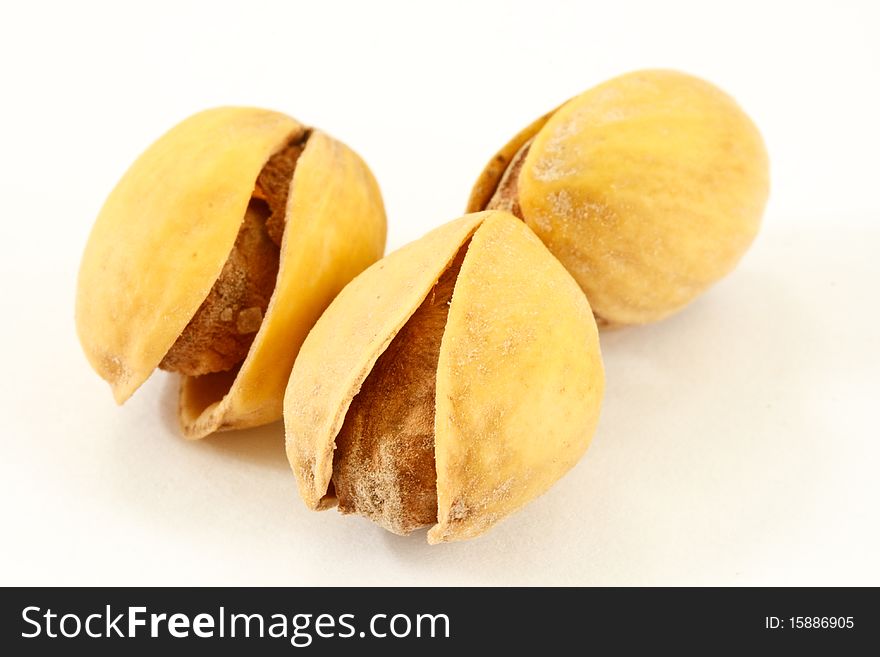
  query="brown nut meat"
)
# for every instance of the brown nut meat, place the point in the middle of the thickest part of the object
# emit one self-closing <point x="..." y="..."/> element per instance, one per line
<point x="215" y="254"/>
<point x="648" y="188"/>
<point x="447" y="385"/>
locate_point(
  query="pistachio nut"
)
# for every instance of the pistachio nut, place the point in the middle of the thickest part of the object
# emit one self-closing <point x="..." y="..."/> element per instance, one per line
<point x="447" y="385"/>
<point x="214" y="255"/>
<point x="648" y="188"/>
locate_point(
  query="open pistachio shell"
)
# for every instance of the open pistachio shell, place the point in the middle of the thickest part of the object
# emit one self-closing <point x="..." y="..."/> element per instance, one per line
<point x="518" y="377"/>
<point x="648" y="188"/>
<point x="165" y="232"/>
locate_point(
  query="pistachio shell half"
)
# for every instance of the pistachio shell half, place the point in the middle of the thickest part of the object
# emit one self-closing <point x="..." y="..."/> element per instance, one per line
<point x="448" y="384"/>
<point x="180" y="267"/>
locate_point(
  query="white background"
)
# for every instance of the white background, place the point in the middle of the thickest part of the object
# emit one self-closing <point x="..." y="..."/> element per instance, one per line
<point x="739" y="441"/>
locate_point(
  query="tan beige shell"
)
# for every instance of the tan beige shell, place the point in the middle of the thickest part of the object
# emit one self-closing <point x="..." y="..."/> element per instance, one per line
<point x="166" y="230"/>
<point x="648" y="188"/>
<point x="519" y="379"/>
